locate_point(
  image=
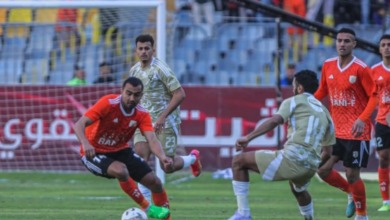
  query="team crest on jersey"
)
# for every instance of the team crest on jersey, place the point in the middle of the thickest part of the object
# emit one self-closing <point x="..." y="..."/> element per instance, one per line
<point x="355" y="154"/>
<point x="115" y="120"/>
<point x="132" y="123"/>
<point x="352" y="79"/>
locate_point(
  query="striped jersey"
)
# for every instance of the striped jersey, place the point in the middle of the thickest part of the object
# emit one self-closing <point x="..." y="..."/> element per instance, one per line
<point x="381" y="76"/>
<point x="112" y="127"/>
<point x="159" y="83"/>
<point x="309" y="128"/>
<point x="349" y="89"/>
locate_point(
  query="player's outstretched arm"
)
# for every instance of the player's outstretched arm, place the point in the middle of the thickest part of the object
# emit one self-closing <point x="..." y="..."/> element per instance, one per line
<point x="177" y="98"/>
<point x="267" y="126"/>
<point x="156" y="148"/>
<point x="79" y="129"/>
<point x="326" y="152"/>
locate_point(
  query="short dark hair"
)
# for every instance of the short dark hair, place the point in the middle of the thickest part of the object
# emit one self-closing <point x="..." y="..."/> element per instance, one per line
<point x="104" y="64"/>
<point x="145" y="38"/>
<point x="308" y="79"/>
<point x="77" y="67"/>
<point x="291" y="66"/>
<point x="346" y="30"/>
<point x="385" y="36"/>
<point x="134" y="81"/>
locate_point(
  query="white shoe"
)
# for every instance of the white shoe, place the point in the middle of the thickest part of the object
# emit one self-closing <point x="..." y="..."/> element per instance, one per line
<point x="361" y="217"/>
<point x="238" y="216"/>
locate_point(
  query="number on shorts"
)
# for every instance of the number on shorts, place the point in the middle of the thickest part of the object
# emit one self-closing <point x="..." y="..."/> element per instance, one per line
<point x="379" y="142"/>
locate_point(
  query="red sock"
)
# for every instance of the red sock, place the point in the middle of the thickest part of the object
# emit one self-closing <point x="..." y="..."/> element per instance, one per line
<point x="160" y="199"/>
<point x="383" y="175"/>
<point x="131" y="189"/>
<point x="336" y="180"/>
<point x="359" y="196"/>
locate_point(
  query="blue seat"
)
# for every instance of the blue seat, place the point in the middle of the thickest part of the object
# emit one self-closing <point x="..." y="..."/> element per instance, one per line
<point x="10" y="71"/>
<point x="36" y="71"/>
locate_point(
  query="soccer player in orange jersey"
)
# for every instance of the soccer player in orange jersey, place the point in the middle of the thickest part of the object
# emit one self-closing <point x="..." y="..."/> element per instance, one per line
<point x="381" y="75"/>
<point x="351" y="90"/>
<point x="104" y="132"/>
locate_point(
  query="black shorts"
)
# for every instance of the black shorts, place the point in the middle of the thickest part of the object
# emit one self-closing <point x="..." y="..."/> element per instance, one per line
<point x="382" y="136"/>
<point x="136" y="166"/>
<point x="353" y="153"/>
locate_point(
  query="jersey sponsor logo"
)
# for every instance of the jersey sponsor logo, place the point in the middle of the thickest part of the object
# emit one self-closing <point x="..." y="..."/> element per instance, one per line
<point x="115" y="120"/>
<point x="331" y="76"/>
<point x="385" y="99"/>
<point x="343" y="102"/>
<point x="104" y="141"/>
<point x="352" y="79"/>
<point x="132" y="123"/>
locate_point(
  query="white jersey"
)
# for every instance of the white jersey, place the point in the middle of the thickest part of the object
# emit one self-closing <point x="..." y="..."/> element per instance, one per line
<point x="159" y="83"/>
<point x="309" y="128"/>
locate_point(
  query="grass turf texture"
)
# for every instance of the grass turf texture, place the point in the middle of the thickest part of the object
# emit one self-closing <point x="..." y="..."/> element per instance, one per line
<point x="82" y="196"/>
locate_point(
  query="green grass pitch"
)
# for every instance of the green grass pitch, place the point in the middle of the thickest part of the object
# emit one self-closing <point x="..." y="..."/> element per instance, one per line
<point x="82" y="196"/>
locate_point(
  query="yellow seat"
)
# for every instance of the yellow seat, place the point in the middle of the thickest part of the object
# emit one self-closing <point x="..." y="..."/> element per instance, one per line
<point x="46" y="15"/>
<point x="19" y="15"/>
<point x="3" y="19"/>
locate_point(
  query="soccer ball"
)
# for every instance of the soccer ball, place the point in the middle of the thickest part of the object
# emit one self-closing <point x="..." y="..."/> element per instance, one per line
<point x="134" y="214"/>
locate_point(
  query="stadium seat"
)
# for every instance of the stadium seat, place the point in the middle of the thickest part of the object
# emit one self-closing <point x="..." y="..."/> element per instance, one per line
<point x="13" y="47"/>
<point x="3" y="19"/>
<point x="46" y="15"/>
<point x="19" y="16"/>
<point x="10" y="70"/>
<point x="41" y="38"/>
<point x="36" y="71"/>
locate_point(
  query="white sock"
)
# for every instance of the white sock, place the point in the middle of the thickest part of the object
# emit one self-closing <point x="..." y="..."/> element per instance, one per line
<point x="241" y="191"/>
<point x="146" y="192"/>
<point x="188" y="160"/>
<point x="350" y="198"/>
<point x="386" y="202"/>
<point x="307" y="210"/>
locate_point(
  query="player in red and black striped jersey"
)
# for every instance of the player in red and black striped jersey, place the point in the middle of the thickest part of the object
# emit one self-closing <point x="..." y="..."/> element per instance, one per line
<point x="104" y="132"/>
<point x="381" y="75"/>
<point x="352" y="95"/>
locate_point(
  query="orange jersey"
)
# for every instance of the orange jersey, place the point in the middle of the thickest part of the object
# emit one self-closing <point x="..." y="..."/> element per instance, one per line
<point x="349" y="90"/>
<point x="112" y="127"/>
<point x="381" y="75"/>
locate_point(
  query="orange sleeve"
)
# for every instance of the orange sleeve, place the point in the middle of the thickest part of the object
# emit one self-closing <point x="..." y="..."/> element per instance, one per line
<point x="146" y="123"/>
<point x="98" y="110"/>
<point x="322" y="90"/>
<point x="370" y="89"/>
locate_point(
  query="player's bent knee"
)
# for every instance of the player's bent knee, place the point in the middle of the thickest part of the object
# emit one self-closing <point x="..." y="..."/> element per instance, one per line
<point x="300" y="189"/>
<point x="118" y="170"/>
<point x="152" y="182"/>
<point x="323" y="172"/>
<point x="237" y="161"/>
<point x="169" y="170"/>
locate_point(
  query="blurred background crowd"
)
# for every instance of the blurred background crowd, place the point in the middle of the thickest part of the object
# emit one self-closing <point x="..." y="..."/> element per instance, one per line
<point x="209" y="42"/>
